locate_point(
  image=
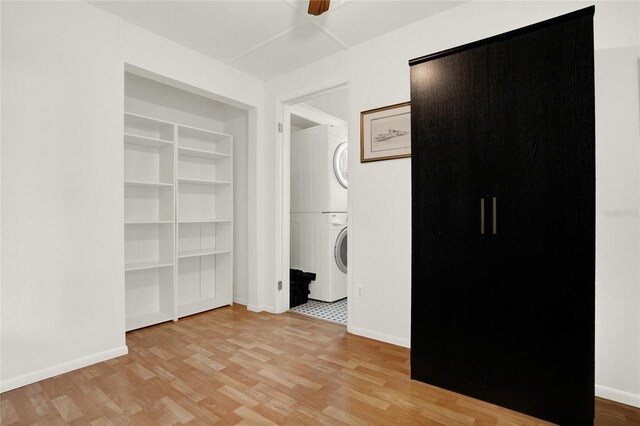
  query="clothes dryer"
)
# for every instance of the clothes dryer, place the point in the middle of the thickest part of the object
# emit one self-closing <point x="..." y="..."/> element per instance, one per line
<point x="319" y="170"/>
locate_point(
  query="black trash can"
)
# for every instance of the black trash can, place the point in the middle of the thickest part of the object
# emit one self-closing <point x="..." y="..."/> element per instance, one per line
<point x="299" y="287"/>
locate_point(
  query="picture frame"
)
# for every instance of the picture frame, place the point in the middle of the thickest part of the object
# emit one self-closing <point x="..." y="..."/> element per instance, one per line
<point x="385" y="133"/>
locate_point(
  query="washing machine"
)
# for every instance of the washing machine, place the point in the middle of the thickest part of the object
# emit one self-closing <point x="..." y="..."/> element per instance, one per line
<point x="319" y="173"/>
<point x="319" y="245"/>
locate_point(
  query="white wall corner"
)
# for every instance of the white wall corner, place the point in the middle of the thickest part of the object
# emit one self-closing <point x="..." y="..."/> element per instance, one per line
<point x="65" y="367"/>
<point x="618" y="395"/>
<point x="240" y="301"/>
<point x="261" y="308"/>
<point x="387" y="338"/>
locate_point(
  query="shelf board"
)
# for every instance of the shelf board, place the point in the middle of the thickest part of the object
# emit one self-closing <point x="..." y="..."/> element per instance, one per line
<point x="147" y="184"/>
<point x="205" y="221"/>
<point x="139" y="266"/>
<point x="203" y="252"/>
<point x="202" y="181"/>
<point x="197" y="132"/>
<point x="140" y="117"/>
<point x="200" y="153"/>
<point x="201" y="306"/>
<point x="132" y="139"/>
<point x="146" y="320"/>
<point x="149" y="222"/>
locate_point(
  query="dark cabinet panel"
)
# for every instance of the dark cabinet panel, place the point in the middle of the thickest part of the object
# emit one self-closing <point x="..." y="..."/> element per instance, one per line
<point x="507" y="316"/>
<point x="542" y="287"/>
<point x="450" y="262"/>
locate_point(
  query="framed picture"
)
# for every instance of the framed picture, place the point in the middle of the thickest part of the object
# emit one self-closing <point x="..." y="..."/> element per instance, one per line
<point x="385" y="133"/>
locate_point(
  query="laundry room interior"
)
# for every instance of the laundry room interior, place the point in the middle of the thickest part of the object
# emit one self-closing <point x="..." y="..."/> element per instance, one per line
<point x="318" y="206"/>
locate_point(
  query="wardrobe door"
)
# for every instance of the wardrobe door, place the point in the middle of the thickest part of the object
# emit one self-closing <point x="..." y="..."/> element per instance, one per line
<point x="450" y="256"/>
<point x="541" y="340"/>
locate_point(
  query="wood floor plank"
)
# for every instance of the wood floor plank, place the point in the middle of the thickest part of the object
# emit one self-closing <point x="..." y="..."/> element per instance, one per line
<point x="251" y="417"/>
<point x="40" y="403"/>
<point x="231" y="366"/>
<point x="67" y="408"/>
<point x="176" y="410"/>
<point x="8" y="413"/>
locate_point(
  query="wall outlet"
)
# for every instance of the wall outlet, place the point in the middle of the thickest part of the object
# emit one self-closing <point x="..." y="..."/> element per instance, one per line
<point x="359" y="292"/>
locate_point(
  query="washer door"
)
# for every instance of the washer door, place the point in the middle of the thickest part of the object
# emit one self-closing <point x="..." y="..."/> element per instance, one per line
<point x="340" y="250"/>
<point x="340" y="164"/>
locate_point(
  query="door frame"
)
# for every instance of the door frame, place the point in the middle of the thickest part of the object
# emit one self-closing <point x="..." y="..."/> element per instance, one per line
<point x="282" y="193"/>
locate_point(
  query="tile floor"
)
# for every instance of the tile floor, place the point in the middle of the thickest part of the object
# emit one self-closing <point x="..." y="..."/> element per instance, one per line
<point x="333" y="312"/>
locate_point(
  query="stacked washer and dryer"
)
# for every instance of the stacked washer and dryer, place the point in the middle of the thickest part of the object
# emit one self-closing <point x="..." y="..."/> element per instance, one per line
<point x="319" y="208"/>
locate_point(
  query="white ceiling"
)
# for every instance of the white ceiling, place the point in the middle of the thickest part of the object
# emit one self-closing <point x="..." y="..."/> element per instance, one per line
<point x="269" y="37"/>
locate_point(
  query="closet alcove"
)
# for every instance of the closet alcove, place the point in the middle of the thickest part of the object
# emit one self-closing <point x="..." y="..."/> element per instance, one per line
<point x="185" y="202"/>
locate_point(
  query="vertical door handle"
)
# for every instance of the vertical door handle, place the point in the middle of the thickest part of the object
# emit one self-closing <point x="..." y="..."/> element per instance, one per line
<point x="494" y="211"/>
<point x="481" y="216"/>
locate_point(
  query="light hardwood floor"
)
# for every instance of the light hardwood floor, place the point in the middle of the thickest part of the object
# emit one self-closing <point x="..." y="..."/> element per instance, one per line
<point x="231" y="366"/>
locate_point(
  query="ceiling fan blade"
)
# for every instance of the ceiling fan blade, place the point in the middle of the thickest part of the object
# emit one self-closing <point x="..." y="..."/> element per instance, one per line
<point x="318" y="7"/>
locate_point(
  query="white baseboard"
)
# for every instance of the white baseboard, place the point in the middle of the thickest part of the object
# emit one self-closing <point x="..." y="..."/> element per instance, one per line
<point x="618" y="395"/>
<point x="65" y="367"/>
<point x="394" y="340"/>
<point x="261" y="308"/>
<point x="240" y="301"/>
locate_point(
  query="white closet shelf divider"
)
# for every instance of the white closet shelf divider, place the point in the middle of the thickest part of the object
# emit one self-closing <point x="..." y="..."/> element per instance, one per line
<point x="149" y="222"/>
<point x="200" y="153"/>
<point x="132" y="139"/>
<point x="132" y="117"/>
<point x="147" y="265"/>
<point x="205" y="221"/>
<point x="202" y="133"/>
<point x="202" y="252"/>
<point x="203" y="181"/>
<point x="147" y="184"/>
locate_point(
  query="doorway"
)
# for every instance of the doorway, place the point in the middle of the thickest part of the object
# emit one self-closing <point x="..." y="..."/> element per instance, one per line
<point x="312" y="212"/>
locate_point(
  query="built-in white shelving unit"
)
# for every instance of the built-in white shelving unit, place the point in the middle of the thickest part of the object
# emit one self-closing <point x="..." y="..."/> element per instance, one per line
<point x="149" y="179"/>
<point x="205" y="234"/>
<point x="178" y="232"/>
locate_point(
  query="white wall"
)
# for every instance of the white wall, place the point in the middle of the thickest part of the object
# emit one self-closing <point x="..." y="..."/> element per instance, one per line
<point x="62" y="280"/>
<point x="617" y="243"/>
<point x="379" y="193"/>
<point x="62" y="193"/>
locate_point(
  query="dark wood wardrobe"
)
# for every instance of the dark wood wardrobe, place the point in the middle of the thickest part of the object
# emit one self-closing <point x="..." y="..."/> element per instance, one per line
<point x="503" y="199"/>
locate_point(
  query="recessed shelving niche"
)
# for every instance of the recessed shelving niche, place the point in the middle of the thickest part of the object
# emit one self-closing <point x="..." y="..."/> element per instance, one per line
<point x="178" y="228"/>
<point x="178" y="201"/>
